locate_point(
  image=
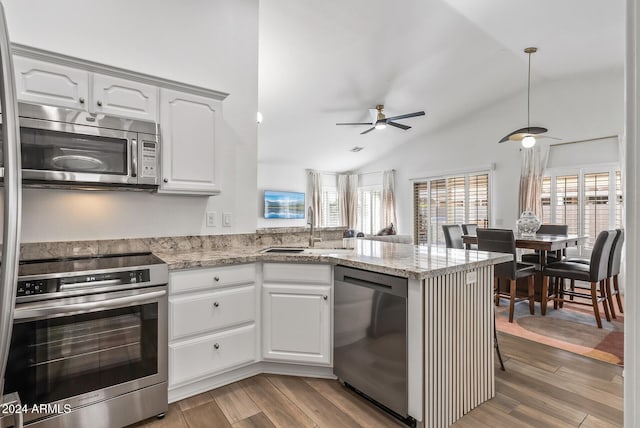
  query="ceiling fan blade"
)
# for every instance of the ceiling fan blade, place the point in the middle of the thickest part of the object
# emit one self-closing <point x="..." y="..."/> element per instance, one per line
<point x="406" y="116"/>
<point x="519" y="134"/>
<point x="398" y="125"/>
<point x="358" y="123"/>
<point x="374" y="115"/>
<point x="368" y="130"/>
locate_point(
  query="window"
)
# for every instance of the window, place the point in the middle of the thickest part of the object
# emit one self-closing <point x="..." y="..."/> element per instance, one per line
<point x="589" y="200"/>
<point x="456" y="199"/>
<point x="330" y="208"/>
<point x="369" y="211"/>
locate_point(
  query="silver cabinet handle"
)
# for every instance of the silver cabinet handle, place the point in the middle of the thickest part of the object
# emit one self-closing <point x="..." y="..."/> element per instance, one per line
<point x="166" y="180"/>
<point x="216" y="346"/>
<point x="99" y="103"/>
<point x="325" y="297"/>
<point x="81" y="100"/>
<point x="216" y="278"/>
<point x="216" y="304"/>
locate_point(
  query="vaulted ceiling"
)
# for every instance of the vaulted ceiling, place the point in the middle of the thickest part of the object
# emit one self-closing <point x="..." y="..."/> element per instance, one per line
<point x="322" y="62"/>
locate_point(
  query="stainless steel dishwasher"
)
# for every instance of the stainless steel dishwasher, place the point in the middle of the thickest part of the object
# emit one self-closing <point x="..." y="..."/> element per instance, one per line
<point x="370" y="337"/>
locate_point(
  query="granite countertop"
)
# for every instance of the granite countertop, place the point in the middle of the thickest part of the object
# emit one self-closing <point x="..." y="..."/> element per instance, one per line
<point x="410" y="261"/>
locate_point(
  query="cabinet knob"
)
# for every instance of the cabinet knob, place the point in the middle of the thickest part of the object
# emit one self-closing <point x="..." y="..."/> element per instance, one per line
<point x="216" y="304"/>
<point x="166" y="180"/>
<point x="216" y="346"/>
<point x="325" y="297"/>
<point x="81" y="100"/>
<point x="216" y="278"/>
<point x="99" y="103"/>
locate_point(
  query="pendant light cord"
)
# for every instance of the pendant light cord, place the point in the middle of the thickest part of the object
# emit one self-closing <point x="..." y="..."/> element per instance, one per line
<point x="529" y="94"/>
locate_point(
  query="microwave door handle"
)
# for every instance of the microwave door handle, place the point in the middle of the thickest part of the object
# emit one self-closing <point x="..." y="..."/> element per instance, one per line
<point x="47" y="311"/>
<point x="134" y="157"/>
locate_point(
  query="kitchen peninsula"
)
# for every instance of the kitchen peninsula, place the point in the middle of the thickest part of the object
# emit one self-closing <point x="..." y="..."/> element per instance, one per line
<point x="449" y="333"/>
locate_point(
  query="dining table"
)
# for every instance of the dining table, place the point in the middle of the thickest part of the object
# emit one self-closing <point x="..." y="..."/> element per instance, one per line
<point x="544" y="244"/>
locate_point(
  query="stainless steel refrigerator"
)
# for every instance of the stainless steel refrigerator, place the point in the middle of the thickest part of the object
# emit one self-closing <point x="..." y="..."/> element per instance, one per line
<point x="12" y="199"/>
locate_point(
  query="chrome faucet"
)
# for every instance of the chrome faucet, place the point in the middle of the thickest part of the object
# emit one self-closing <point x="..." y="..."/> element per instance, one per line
<point x="312" y="239"/>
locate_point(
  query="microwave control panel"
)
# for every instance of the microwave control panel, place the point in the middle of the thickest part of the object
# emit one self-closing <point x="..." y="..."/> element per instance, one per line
<point x="149" y="159"/>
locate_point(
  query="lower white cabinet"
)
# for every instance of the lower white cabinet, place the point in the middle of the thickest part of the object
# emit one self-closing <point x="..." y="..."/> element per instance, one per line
<point x="207" y="355"/>
<point x="296" y="317"/>
<point x="212" y="322"/>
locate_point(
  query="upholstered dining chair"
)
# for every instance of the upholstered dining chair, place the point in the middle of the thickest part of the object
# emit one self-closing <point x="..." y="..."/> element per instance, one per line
<point x="594" y="273"/>
<point x="546" y="229"/>
<point x="453" y="235"/>
<point x="503" y="241"/>
<point x="613" y="271"/>
<point x="470" y="229"/>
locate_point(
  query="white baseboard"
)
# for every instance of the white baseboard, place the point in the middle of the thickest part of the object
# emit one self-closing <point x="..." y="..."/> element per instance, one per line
<point x="188" y="390"/>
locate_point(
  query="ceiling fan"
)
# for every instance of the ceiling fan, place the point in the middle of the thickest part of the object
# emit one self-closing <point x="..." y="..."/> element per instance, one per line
<point x="380" y="121"/>
<point x="527" y="136"/>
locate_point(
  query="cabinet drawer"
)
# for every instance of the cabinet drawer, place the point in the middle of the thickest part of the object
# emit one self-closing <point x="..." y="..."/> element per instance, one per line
<point x="193" y="359"/>
<point x="298" y="273"/>
<point x="212" y="278"/>
<point x="202" y="312"/>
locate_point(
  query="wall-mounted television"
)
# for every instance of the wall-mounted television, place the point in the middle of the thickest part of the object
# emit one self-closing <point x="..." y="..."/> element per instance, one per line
<point x="289" y="205"/>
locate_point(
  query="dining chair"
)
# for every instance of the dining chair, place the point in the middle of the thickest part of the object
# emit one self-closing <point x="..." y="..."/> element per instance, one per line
<point x="595" y="273"/>
<point x="546" y="229"/>
<point x="613" y="271"/>
<point x="453" y="235"/>
<point x="503" y="241"/>
<point x="470" y="229"/>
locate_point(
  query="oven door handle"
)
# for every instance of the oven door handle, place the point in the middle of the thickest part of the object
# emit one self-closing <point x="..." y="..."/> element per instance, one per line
<point x="46" y="311"/>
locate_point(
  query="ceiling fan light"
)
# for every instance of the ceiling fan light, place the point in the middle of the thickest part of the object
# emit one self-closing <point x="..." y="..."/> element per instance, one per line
<point x="381" y="125"/>
<point x="528" y="142"/>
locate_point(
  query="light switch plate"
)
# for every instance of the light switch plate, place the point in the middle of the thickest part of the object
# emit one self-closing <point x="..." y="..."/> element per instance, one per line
<point x="471" y="278"/>
<point x="226" y="219"/>
<point x="212" y="219"/>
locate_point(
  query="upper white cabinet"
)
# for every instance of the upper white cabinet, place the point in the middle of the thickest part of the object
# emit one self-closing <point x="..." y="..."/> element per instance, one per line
<point x="190" y="125"/>
<point x="121" y="97"/>
<point x="51" y="84"/>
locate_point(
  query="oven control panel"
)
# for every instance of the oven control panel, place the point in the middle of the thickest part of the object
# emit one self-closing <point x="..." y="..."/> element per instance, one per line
<point x="81" y="284"/>
<point x="149" y="159"/>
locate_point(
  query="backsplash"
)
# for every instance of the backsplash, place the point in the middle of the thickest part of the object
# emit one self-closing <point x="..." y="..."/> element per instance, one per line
<point x="298" y="236"/>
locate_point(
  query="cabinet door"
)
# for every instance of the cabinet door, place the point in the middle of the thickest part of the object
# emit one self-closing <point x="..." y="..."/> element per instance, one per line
<point x="296" y="322"/>
<point x="121" y="97"/>
<point x="189" y="126"/>
<point x="40" y="82"/>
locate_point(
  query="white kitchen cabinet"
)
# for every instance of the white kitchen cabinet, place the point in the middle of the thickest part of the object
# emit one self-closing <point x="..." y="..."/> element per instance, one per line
<point x="296" y="323"/>
<point x="189" y="125"/>
<point x="46" y="83"/>
<point x="121" y="97"/>
<point x="212" y="322"/>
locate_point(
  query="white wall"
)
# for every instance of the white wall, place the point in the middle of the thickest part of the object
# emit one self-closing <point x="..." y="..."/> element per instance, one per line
<point x="574" y="108"/>
<point x="209" y="43"/>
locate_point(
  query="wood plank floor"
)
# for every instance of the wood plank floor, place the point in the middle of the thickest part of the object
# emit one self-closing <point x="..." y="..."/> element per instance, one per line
<point x="543" y="386"/>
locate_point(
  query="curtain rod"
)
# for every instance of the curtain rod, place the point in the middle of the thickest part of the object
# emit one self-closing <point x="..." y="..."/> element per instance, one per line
<point x="374" y="172"/>
<point x="585" y="141"/>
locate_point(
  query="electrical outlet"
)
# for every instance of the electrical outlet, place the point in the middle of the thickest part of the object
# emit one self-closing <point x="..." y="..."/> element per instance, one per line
<point x="226" y="219"/>
<point x="212" y="219"/>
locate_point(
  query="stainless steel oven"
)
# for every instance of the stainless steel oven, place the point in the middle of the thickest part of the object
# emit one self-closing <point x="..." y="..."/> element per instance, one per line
<point x="89" y="343"/>
<point x="62" y="147"/>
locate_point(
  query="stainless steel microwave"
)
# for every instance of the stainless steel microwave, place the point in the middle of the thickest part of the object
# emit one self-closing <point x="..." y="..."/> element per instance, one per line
<point x="63" y="147"/>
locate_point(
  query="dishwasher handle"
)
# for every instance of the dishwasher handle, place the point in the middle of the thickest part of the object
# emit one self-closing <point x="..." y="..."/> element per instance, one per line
<point x="376" y="281"/>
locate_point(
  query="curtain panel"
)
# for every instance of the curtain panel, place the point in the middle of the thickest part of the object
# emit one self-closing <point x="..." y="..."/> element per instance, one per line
<point x="348" y="199"/>
<point x="389" y="198"/>
<point x="315" y="192"/>
<point x="534" y="162"/>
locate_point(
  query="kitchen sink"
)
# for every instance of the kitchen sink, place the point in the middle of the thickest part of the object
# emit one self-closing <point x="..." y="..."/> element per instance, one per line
<point x="283" y="250"/>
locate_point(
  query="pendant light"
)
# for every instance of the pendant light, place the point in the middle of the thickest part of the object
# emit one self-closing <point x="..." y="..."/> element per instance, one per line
<point x="527" y="136"/>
